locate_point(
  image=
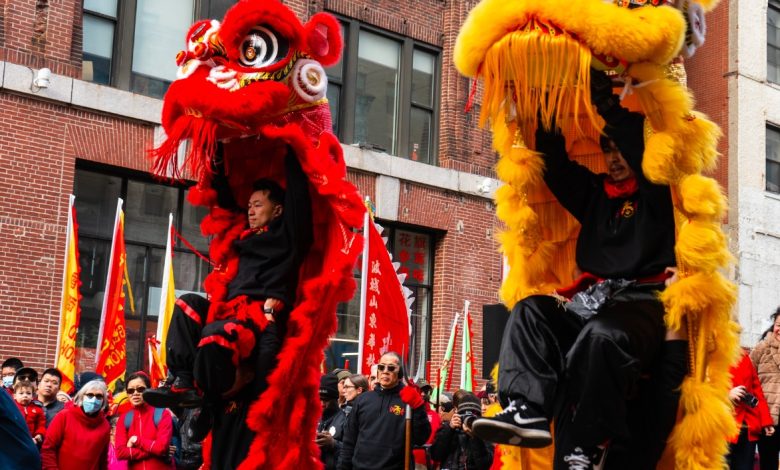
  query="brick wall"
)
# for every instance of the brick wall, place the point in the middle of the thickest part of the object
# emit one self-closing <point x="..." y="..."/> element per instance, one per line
<point x="707" y="78"/>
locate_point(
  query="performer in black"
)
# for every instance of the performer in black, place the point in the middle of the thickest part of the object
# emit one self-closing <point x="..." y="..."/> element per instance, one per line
<point x="222" y="365"/>
<point x="581" y="361"/>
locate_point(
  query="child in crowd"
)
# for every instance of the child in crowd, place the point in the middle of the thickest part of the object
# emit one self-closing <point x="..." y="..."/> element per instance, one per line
<point x="32" y="412"/>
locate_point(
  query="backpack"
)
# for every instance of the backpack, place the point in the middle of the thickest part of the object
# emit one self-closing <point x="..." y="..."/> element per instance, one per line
<point x="158" y="413"/>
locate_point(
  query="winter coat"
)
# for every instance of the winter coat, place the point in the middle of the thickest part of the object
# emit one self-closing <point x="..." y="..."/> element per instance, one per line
<point x="766" y="358"/>
<point x="34" y="417"/>
<point x="375" y="430"/>
<point x="76" y="441"/>
<point x="758" y="417"/>
<point x="150" y="451"/>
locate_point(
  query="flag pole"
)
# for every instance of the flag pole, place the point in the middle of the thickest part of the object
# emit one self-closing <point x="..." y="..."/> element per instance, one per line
<point x="464" y="345"/>
<point x="65" y="280"/>
<point x="363" y="286"/>
<point x="108" y="282"/>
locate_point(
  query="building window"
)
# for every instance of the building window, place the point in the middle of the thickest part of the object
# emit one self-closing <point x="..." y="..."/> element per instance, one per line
<point x="383" y="93"/>
<point x="146" y="206"/>
<point x="132" y="44"/>
<point x="773" y="42"/>
<point x="773" y="159"/>
<point x="414" y="251"/>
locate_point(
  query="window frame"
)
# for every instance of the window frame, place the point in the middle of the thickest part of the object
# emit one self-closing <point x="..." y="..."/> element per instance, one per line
<point x="771" y="162"/>
<point x="124" y="35"/>
<point x="142" y="316"/>
<point x="348" y="83"/>
<point x="775" y="6"/>
<point x="389" y="233"/>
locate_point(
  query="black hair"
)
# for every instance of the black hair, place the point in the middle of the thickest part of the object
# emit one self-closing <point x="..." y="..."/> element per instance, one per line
<point x="140" y="375"/>
<point x="605" y="143"/>
<point x="53" y="371"/>
<point x="14" y="362"/>
<point x="400" y="362"/>
<point x="275" y="192"/>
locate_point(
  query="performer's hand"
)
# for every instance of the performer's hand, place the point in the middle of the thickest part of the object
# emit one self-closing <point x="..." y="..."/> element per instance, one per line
<point x="131" y="442"/>
<point x="737" y="393"/>
<point x="411" y="396"/>
<point x="673" y="278"/>
<point x="324" y="439"/>
<point x="271" y="306"/>
<point x="769" y="431"/>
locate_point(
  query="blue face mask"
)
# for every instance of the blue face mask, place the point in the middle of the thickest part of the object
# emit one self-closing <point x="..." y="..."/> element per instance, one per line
<point x="91" y="405"/>
<point x="8" y="381"/>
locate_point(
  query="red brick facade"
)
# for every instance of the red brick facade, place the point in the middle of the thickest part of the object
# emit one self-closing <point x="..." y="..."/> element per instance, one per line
<point x="41" y="141"/>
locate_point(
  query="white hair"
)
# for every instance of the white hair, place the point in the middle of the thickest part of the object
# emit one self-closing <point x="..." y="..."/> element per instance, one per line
<point x="91" y="386"/>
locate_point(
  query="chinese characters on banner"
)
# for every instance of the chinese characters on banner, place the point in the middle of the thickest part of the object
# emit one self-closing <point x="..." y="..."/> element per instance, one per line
<point x="387" y="325"/>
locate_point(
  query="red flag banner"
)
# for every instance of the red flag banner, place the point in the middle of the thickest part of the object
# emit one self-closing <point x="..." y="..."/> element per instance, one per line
<point x="112" y="355"/>
<point x="386" y="325"/>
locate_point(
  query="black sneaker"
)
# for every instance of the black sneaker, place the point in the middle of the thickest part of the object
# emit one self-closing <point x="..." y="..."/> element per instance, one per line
<point x="176" y="393"/>
<point x="515" y="426"/>
<point x="588" y="458"/>
<point x="198" y="424"/>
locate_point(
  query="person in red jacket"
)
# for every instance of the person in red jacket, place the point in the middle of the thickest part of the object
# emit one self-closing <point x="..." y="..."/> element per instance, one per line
<point x="751" y="412"/>
<point x="32" y="412"/>
<point x="78" y="437"/>
<point x="145" y="442"/>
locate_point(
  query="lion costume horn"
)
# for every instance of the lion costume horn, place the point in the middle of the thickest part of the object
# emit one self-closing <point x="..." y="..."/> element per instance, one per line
<point x="534" y="61"/>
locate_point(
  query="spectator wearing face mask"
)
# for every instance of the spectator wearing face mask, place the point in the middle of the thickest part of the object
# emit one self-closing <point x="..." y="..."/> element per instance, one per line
<point x="9" y="368"/>
<point x="78" y="437"/>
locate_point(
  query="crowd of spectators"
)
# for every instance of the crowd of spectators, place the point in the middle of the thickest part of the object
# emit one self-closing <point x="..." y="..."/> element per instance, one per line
<point x="363" y="423"/>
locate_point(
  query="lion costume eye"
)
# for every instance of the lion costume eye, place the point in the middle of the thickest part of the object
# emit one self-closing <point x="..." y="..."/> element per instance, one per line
<point x="262" y="47"/>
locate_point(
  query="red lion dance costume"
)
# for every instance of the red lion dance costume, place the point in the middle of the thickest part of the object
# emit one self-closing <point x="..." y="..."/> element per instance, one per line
<point x="256" y="84"/>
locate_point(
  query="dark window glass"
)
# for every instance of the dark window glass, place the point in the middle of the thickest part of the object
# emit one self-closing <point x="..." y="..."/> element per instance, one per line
<point x="146" y="221"/>
<point x="98" y="49"/>
<point x="773" y="159"/>
<point x="420" y="135"/>
<point x="146" y="211"/>
<point x="773" y="42"/>
<point x="376" y="103"/>
<point x="190" y="227"/>
<point x="96" y="199"/>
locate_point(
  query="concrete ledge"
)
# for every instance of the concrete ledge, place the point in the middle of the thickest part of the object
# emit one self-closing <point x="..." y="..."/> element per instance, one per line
<point x="105" y="99"/>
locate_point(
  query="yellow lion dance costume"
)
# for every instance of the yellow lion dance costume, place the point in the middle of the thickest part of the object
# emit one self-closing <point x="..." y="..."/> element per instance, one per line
<point x="534" y="58"/>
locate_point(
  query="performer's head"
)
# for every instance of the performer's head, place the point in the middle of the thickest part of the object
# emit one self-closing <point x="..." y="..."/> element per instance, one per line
<point x="617" y="167"/>
<point x="389" y="370"/>
<point x="265" y="203"/>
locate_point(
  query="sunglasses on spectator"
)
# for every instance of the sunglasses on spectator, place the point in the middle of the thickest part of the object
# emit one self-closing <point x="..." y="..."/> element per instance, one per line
<point x="99" y="396"/>
<point x="390" y="367"/>
<point x="131" y="390"/>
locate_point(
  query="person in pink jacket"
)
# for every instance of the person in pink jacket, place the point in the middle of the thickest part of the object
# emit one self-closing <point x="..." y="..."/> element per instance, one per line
<point x="77" y="438"/>
<point x="143" y="438"/>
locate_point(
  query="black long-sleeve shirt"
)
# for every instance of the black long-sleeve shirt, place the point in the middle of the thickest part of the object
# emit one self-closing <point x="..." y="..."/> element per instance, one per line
<point x="268" y="262"/>
<point x="374" y="434"/>
<point x="625" y="237"/>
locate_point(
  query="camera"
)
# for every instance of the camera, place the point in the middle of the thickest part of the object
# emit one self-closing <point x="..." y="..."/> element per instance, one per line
<point x="750" y="400"/>
<point x="467" y="417"/>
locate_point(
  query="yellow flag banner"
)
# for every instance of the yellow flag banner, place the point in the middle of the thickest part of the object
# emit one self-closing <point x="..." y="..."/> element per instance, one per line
<point x="168" y="296"/>
<point x="70" y="312"/>
<point x="112" y="354"/>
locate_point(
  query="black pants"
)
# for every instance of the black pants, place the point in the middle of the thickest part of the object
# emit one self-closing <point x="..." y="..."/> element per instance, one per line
<point x="742" y="453"/>
<point x="585" y="373"/>
<point x="210" y="354"/>
<point x="768" y="448"/>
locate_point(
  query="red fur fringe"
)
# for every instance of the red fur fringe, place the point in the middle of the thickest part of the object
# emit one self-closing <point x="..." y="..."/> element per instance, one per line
<point x="203" y="136"/>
